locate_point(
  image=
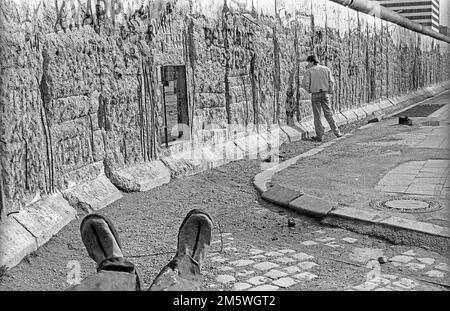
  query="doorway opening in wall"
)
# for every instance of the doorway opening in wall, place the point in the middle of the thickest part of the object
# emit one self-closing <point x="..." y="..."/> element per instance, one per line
<point x="175" y="106"/>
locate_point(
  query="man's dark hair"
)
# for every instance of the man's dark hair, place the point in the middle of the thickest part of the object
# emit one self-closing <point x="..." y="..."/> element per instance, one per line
<point x="313" y="59"/>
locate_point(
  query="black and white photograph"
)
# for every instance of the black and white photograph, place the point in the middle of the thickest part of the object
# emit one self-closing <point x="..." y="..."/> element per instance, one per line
<point x="235" y="153"/>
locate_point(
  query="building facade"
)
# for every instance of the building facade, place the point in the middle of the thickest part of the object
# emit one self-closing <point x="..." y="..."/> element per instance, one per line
<point x="426" y="13"/>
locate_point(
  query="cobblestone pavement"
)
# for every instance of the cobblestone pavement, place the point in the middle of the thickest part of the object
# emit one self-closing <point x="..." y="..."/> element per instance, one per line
<point x="238" y="267"/>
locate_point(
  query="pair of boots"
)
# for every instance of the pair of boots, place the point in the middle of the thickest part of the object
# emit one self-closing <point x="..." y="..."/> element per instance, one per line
<point x="114" y="272"/>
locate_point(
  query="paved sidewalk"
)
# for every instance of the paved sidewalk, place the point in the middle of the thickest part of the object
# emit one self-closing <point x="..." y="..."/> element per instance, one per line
<point x="384" y="174"/>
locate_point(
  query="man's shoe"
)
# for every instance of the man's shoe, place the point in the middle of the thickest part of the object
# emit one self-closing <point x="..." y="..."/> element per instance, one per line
<point x="100" y="238"/>
<point x="316" y="139"/>
<point x="338" y="134"/>
<point x="194" y="236"/>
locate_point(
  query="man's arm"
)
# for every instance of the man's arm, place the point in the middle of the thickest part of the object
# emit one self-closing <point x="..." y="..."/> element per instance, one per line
<point x="331" y="81"/>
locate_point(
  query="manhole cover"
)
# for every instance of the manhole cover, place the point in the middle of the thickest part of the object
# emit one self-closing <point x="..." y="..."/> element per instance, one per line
<point x="407" y="205"/>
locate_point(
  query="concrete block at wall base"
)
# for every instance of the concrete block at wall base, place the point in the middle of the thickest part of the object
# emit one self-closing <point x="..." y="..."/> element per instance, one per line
<point x="15" y="242"/>
<point x="340" y="119"/>
<point x="185" y="163"/>
<point x="278" y="134"/>
<point x="350" y="115"/>
<point x="303" y="130"/>
<point x="293" y="134"/>
<point x="227" y="152"/>
<point x="371" y="110"/>
<point x="325" y="124"/>
<point x="386" y="106"/>
<point x="46" y="217"/>
<point x="93" y="195"/>
<point x="360" y="113"/>
<point x="141" y="177"/>
<point x="212" y="159"/>
<point x="253" y="145"/>
<point x="308" y="125"/>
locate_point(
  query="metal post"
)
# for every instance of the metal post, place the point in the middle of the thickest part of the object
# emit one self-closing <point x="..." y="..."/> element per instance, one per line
<point x="374" y="8"/>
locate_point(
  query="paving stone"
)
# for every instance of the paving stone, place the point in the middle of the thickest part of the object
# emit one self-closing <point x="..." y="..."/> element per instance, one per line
<point x="292" y="269"/>
<point x="405" y="283"/>
<point x="225" y="268"/>
<point x="402" y="259"/>
<point x="366" y="286"/>
<point x="302" y="256"/>
<point x="394" y="288"/>
<point x="325" y="240"/>
<point x="442" y="266"/>
<point x="285" y="260"/>
<point x="311" y="205"/>
<point x="258" y="257"/>
<point x="230" y="249"/>
<point x="383" y="289"/>
<point x="275" y="274"/>
<point x="389" y="276"/>
<point x="350" y="240"/>
<point x="241" y="262"/>
<point x="309" y="243"/>
<point x="218" y="259"/>
<point x="305" y="276"/>
<point x="256" y="251"/>
<point x="415" y="266"/>
<point x="380" y="281"/>
<point x="244" y="273"/>
<point x="285" y="282"/>
<point x="332" y="244"/>
<point x="257" y="280"/>
<point x="241" y="286"/>
<point x="427" y="261"/>
<point x="265" y="288"/>
<point x="267" y="265"/>
<point x="435" y="274"/>
<point x="273" y="254"/>
<point x="410" y="253"/>
<point x="305" y="265"/>
<point x="224" y="278"/>
<point x="287" y="251"/>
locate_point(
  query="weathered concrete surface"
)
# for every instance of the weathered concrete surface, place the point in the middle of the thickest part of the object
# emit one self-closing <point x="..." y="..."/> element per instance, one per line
<point x="142" y="177"/>
<point x="46" y="217"/>
<point x="280" y="195"/>
<point x="93" y="195"/>
<point x="15" y="242"/>
<point x="311" y="205"/>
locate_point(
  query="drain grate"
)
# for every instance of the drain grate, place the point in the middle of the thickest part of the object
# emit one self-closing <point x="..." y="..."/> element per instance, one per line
<point x="407" y="205"/>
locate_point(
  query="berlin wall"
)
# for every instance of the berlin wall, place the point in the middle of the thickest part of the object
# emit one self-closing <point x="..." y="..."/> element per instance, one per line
<point x="80" y="88"/>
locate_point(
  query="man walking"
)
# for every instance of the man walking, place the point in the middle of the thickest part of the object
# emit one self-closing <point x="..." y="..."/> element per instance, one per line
<point x="319" y="82"/>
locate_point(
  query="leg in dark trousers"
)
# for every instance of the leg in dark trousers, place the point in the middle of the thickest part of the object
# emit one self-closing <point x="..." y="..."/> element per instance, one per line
<point x="114" y="273"/>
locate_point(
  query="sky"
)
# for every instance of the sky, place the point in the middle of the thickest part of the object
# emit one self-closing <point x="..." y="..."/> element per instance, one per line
<point x="445" y="12"/>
